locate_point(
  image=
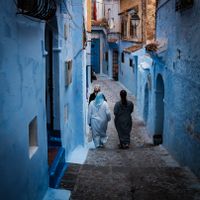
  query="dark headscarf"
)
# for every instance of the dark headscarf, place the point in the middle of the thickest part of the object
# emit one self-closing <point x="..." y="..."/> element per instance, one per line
<point x="123" y="95"/>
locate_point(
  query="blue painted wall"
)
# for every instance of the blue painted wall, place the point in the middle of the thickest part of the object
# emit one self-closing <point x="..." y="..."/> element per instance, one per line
<point x="177" y="65"/>
<point x="73" y="97"/>
<point x="182" y="85"/>
<point x="22" y="97"/>
<point x="127" y="74"/>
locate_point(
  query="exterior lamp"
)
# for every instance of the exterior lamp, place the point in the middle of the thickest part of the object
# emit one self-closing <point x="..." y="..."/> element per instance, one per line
<point x="135" y="20"/>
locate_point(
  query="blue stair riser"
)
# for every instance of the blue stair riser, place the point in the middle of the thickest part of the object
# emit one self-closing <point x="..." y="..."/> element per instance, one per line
<point x="57" y="167"/>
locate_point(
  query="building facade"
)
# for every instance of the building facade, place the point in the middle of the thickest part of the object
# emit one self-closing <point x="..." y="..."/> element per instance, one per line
<point x="43" y="70"/>
<point x="164" y="78"/>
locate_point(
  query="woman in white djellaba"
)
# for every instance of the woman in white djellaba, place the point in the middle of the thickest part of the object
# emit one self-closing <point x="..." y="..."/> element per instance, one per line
<point x="98" y="118"/>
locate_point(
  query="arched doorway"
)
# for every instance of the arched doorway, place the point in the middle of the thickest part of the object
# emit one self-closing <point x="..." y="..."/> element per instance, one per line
<point x="159" y="110"/>
<point x="52" y="99"/>
<point x="52" y="75"/>
<point x="146" y="103"/>
<point x="95" y="55"/>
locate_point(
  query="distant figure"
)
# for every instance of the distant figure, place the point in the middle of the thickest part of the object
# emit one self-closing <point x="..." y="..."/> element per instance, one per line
<point x="93" y="75"/>
<point x="98" y="118"/>
<point x="123" y="119"/>
<point x="93" y="95"/>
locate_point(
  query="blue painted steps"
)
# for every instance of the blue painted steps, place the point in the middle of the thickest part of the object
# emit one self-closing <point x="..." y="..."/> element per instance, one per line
<point x="57" y="168"/>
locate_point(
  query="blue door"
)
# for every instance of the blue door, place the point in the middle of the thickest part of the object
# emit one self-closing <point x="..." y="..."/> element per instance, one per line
<point x="95" y="55"/>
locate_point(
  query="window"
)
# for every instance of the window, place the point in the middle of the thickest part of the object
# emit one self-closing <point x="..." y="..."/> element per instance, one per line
<point x="128" y="31"/>
<point x="122" y="57"/>
<point x="131" y="62"/>
<point x="133" y="31"/>
<point x="33" y="140"/>
<point x="68" y="72"/>
<point x="124" y="27"/>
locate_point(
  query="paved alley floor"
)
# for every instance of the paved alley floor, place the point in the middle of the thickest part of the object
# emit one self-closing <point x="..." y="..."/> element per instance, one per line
<point x="142" y="172"/>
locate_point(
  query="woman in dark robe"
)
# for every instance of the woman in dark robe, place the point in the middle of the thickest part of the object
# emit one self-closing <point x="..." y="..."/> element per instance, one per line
<point x="123" y="119"/>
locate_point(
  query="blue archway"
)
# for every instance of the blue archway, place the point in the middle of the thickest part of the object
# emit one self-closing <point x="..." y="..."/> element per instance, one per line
<point x="146" y="103"/>
<point x="159" y="110"/>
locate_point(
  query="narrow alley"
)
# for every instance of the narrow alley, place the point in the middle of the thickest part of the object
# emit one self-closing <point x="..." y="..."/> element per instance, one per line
<point x="142" y="172"/>
<point x="53" y="53"/>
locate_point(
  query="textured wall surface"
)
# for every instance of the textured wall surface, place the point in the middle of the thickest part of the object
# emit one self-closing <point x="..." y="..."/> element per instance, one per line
<point x="177" y="65"/>
<point x="111" y="13"/>
<point x="127" y="74"/>
<point x="182" y="85"/>
<point x="22" y="96"/>
<point x="150" y="20"/>
<point x="73" y="96"/>
<point x="22" y="70"/>
<point x="126" y="4"/>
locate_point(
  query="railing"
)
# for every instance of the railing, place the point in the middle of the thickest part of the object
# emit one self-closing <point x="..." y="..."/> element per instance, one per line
<point x="40" y="9"/>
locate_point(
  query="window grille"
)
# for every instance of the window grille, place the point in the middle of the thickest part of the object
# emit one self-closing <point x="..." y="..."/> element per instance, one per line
<point x="40" y="9"/>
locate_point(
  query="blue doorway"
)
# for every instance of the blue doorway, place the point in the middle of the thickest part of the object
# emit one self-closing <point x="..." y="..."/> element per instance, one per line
<point x="159" y="117"/>
<point x="146" y="104"/>
<point x="95" y="55"/>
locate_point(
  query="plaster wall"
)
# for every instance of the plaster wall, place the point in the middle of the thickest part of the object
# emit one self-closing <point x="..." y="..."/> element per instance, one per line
<point x="112" y="15"/>
<point x="22" y="72"/>
<point x="88" y="14"/>
<point x="177" y="64"/>
<point x="126" y="4"/>
<point x="181" y="78"/>
<point x="100" y="9"/>
<point x="126" y="73"/>
<point x="73" y="96"/>
<point x="149" y="28"/>
<point x="144" y="69"/>
<point x="22" y="97"/>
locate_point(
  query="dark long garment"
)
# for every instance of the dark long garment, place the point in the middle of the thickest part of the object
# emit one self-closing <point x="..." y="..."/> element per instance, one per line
<point x="123" y="121"/>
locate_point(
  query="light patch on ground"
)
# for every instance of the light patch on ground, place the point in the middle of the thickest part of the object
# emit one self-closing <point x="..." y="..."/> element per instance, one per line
<point x="57" y="194"/>
<point x="78" y="155"/>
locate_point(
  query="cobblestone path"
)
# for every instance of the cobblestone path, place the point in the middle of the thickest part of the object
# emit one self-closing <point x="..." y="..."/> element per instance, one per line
<point x="142" y="172"/>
